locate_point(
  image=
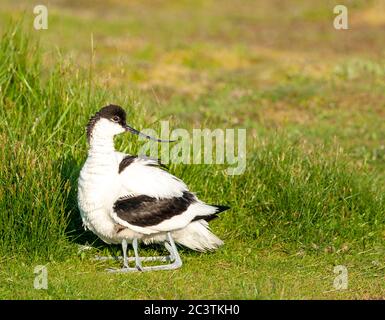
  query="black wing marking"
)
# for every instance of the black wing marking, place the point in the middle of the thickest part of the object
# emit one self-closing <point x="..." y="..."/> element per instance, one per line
<point x="127" y="160"/>
<point x="145" y="211"/>
<point x="214" y="215"/>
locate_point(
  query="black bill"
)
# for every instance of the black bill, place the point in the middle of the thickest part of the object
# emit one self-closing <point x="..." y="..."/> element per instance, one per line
<point x="134" y="131"/>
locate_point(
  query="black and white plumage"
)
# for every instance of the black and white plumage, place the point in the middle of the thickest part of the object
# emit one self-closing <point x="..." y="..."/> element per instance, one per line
<point x="124" y="198"/>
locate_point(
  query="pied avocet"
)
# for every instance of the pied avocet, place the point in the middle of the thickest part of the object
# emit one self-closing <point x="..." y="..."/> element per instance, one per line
<point x="127" y="199"/>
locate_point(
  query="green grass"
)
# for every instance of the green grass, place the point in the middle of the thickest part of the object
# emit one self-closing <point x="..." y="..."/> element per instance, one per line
<point x="312" y="196"/>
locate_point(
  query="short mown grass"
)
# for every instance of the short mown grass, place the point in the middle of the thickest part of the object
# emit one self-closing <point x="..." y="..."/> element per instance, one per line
<point x="312" y="195"/>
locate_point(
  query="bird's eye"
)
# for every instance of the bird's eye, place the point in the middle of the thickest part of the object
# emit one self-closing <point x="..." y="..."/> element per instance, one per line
<point x="115" y="119"/>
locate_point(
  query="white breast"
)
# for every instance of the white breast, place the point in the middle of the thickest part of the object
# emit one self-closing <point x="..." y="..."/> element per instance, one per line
<point x="98" y="187"/>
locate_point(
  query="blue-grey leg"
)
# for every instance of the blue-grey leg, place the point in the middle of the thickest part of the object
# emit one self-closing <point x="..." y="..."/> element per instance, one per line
<point x="170" y="250"/>
<point x="174" y="255"/>
<point x="170" y="246"/>
<point x="124" y="249"/>
<point x="138" y="264"/>
<point x="133" y="259"/>
<point x="126" y="267"/>
<point x="127" y="259"/>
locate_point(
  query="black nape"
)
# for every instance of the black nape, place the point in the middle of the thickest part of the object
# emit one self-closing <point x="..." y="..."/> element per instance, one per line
<point x="107" y="112"/>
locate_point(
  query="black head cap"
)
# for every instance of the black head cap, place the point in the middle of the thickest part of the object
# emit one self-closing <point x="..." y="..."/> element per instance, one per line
<point x="111" y="112"/>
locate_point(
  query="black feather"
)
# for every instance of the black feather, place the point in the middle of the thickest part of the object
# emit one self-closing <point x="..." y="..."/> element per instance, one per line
<point x="144" y="211"/>
<point x="214" y="215"/>
<point x="127" y="160"/>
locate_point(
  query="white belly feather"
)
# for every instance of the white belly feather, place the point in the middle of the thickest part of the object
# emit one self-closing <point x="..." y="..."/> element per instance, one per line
<point x="98" y="187"/>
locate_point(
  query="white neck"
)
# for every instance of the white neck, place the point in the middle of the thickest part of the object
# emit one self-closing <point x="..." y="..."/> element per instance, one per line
<point x="101" y="145"/>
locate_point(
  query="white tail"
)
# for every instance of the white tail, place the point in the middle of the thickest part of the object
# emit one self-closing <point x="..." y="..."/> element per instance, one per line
<point x="197" y="236"/>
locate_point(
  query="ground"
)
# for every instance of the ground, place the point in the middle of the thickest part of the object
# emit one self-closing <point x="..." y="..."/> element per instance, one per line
<point x="310" y="97"/>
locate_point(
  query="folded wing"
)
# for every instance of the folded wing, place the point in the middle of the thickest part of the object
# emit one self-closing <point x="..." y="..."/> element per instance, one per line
<point x="152" y="200"/>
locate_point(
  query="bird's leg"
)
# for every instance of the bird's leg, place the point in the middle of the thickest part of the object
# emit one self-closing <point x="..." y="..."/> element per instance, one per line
<point x="174" y="255"/>
<point x="124" y="249"/>
<point x="138" y="263"/>
<point x="124" y="257"/>
<point x="126" y="267"/>
<point x="171" y="248"/>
